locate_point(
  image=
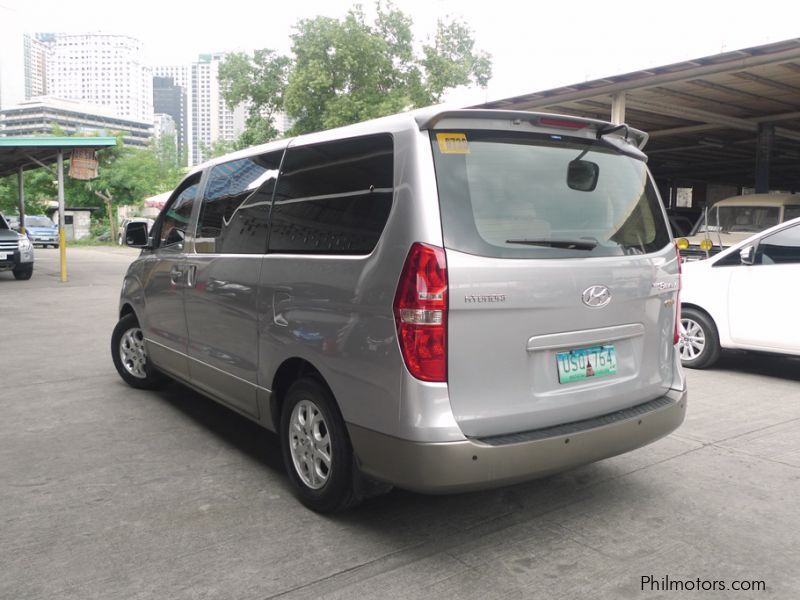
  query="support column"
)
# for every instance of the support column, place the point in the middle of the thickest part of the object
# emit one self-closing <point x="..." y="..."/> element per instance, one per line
<point x="21" y="187"/>
<point x="766" y="139"/>
<point x="618" y="108"/>
<point x="62" y="240"/>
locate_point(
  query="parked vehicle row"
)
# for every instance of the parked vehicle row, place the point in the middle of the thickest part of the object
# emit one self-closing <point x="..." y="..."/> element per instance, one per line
<point x="439" y="300"/>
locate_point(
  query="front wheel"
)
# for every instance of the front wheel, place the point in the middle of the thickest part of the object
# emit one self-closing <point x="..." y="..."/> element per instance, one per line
<point x="316" y="448"/>
<point x="129" y="353"/>
<point x="699" y="340"/>
<point x="23" y="272"/>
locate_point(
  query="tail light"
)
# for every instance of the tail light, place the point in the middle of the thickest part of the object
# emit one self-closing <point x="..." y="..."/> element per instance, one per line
<point x="420" y="312"/>
<point x="676" y="336"/>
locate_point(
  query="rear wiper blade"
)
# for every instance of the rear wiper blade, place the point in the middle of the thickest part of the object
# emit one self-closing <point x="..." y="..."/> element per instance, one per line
<point x="567" y="244"/>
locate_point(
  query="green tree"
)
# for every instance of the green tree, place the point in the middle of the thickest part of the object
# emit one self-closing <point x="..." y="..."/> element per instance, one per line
<point x="347" y="70"/>
<point x="258" y="81"/>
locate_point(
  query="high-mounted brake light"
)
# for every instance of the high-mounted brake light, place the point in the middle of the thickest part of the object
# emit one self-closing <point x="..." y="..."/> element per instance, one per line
<point x="420" y="311"/>
<point x="563" y="123"/>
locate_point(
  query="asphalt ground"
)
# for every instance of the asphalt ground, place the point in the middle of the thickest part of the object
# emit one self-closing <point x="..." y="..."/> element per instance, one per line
<point x="113" y="493"/>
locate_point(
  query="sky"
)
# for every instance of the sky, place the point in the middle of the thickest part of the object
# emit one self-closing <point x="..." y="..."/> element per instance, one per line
<point x="534" y="45"/>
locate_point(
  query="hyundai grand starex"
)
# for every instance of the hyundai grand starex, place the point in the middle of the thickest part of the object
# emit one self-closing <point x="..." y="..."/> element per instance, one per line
<point x="438" y="300"/>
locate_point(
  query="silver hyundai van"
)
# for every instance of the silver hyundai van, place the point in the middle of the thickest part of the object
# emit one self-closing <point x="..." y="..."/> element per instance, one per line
<point x="439" y="300"/>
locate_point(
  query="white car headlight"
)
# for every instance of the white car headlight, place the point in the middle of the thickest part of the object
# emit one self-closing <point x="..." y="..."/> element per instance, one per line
<point x="25" y="245"/>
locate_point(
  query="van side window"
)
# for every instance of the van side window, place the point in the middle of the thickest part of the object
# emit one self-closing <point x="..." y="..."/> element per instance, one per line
<point x="234" y="217"/>
<point x="333" y="198"/>
<point x="175" y="218"/>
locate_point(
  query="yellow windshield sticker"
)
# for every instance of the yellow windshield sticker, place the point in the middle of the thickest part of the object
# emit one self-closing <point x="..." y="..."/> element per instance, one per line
<point x="453" y="143"/>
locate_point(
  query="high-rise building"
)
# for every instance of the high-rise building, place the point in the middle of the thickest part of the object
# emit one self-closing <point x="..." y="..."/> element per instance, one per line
<point x="178" y="73"/>
<point x="101" y="69"/>
<point x="36" y="64"/>
<point x="212" y="119"/>
<point x="169" y="98"/>
<point x="208" y="117"/>
<point x="164" y="125"/>
<point x="12" y="62"/>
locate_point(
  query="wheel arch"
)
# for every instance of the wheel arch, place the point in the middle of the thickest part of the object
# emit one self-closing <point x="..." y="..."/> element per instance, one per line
<point x="699" y="308"/>
<point x="288" y="372"/>
<point x="127" y="309"/>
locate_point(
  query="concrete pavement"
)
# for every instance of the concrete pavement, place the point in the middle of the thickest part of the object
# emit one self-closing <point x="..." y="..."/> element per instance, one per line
<point x="109" y="492"/>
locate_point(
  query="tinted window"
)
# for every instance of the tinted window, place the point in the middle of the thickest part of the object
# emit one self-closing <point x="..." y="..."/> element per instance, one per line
<point x="333" y="198"/>
<point x="234" y="218"/>
<point x="509" y="196"/>
<point x="780" y="247"/>
<point x="176" y="216"/>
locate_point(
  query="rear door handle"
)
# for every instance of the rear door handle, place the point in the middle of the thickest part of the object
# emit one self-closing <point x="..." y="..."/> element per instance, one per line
<point x="175" y="275"/>
<point x="277" y="317"/>
<point x="191" y="275"/>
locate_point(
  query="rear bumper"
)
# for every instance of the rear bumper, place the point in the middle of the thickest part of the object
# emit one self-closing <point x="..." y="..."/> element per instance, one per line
<point x="474" y="464"/>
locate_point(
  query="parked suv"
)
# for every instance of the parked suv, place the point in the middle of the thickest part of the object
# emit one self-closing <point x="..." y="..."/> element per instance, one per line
<point x="16" y="252"/>
<point x="41" y="231"/>
<point x="438" y="300"/>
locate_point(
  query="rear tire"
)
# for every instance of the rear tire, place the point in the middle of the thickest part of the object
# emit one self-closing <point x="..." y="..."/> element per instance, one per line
<point x="316" y="448"/>
<point x="699" y="339"/>
<point x="130" y="356"/>
<point x="23" y="272"/>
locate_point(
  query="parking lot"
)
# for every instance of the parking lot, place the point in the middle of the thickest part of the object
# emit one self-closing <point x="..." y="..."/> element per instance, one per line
<point x="110" y="492"/>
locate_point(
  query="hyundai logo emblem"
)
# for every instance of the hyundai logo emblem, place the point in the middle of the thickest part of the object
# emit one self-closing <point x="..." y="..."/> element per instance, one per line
<point x="596" y="296"/>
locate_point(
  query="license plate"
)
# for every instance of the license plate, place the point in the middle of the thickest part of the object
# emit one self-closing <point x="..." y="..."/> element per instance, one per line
<point x="586" y="363"/>
<point x="3" y="255"/>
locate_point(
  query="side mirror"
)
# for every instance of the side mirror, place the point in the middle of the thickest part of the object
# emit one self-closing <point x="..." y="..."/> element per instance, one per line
<point x="747" y="255"/>
<point x="582" y="175"/>
<point x="136" y="235"/>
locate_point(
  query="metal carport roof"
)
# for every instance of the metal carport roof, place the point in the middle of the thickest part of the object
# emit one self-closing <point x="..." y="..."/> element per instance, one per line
<point x="704" y="116"/>
<point x="31" y="152"/>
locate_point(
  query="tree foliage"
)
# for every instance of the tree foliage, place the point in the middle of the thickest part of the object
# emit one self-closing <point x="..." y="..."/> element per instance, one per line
<point x="258" y="81"/>
<point x="347" y="70"/>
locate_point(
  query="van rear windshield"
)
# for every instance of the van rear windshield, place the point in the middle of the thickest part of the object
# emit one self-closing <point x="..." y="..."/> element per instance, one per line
<point x="510" y="195"/>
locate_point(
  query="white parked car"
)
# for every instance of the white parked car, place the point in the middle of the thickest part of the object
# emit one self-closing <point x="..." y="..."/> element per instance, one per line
<point x="743" y="298"/>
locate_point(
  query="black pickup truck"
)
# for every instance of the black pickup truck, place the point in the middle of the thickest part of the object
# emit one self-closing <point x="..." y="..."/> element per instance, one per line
<point x="16" y="252"/>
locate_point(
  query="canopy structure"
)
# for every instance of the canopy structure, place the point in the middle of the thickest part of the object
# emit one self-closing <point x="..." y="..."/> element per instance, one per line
<point x="18" y="154"/>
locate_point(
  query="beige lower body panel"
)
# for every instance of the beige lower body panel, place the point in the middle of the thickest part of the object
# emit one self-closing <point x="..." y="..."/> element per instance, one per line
<point x="470" y="465"/>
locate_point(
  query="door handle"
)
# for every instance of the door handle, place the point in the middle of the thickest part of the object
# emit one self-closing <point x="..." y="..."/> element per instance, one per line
<point x="277" y="317"/>
<point x="191" y="275"/>
<point x="175" y="275"/>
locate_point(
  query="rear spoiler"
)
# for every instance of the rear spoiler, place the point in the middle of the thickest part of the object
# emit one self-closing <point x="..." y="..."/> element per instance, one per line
<point x="603" y="129"/>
